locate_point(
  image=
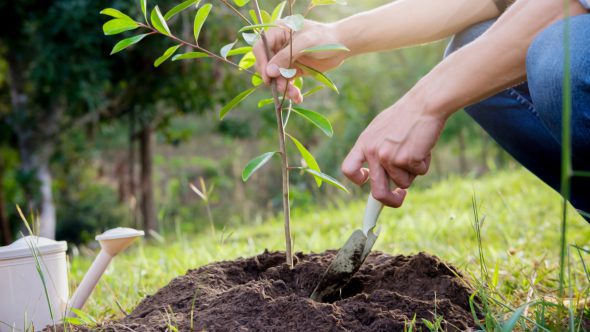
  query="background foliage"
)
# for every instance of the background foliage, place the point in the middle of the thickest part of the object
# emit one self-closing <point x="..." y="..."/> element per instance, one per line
<point x="103" y="104"/>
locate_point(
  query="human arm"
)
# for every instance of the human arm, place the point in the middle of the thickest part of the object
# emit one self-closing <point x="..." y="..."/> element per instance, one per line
<point x="398" y="24"/>
<point x="398" y="142"/>
<point x="409" y="22"/>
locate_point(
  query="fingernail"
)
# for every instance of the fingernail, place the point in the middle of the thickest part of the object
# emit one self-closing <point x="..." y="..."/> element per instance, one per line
<point x="272" y="70"/>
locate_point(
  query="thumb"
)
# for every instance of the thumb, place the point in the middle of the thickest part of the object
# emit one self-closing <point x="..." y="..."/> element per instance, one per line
<point x="285" y="57"/>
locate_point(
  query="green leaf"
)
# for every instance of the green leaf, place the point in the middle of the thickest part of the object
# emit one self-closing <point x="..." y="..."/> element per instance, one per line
<point x="241" y="3"/>
<point x="225" y="49"/>
<point x="309" y="159"/>
<point x="511" y="322"/>
<point x="257" y="26"/>
<point x="250" y="38"/>
<point x="319" y="76"/>
<point x="298" y="83"/>
<point x="84" y="317"/>
<point x="115" y="13"/>
<point x="178" y="8"/>
<point x="190" y="55"/>
<point x="328" y="179"/>
<point x="118" y="25"/>
<point x="239" y="50"/>
<point x="73" y="321"/>
<point x="317" y="119"/>
<point x="326" y="47"/>
<point x="496" y="274"/>
<point x="288" y="72"/>
<point x="256" y="80"/>
<point x="127" y="42"/>
<point x="247" y="61"/>
<point x="314" y="90"/>
<point x="166" y="55"/>
<point x="237" y="99"/>
<point x="200" y="18"/>
<point x="254" y="164"/>
<point x="265" y="16"/>
<point x="264" y="102"/>
<point x="144" y="9"/>
<point x="294" y="22"/>
<point x="158" y="21"/>
<point x="278" y="11"/>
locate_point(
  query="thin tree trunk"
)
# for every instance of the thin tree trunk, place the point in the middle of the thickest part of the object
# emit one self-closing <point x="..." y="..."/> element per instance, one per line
<point x="6" y="231"/>
<point x="131" y="169"/>
<point x="47" y="217"/>
<point x="282" y="147"/>
<point x="147" y="193"/>
<point x="122" y="181"/>
<point x="35" y="147"/>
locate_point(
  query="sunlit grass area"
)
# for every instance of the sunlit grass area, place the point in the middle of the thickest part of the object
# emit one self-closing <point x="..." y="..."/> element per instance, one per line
<point x="520" y="240"/>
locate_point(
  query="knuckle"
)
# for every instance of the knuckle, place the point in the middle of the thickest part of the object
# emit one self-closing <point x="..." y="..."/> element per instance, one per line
<point x="401" y="160"/>
<point x="380" y="194"/>
<point x="402" y="181"/>
<point x="383" y="156"/>
<point x="415" y="166"/>
<point x="405" y="183"/>
<point x="372" y="151"/>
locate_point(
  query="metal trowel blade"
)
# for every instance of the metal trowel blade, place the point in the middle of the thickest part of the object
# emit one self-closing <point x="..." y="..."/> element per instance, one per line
<point x="371" y="239"/>
<point x="346" y="263"/>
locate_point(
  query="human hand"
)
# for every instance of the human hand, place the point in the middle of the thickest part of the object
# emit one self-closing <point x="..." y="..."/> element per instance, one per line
<point x="312" y="34"/>
<point x="397" y="147"/>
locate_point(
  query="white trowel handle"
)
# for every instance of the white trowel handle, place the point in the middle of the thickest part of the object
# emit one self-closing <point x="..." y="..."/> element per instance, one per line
<point x="372" y="212"/>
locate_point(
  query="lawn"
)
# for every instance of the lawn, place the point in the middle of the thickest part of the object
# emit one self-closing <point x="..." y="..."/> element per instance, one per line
<point x="520" y="240"/>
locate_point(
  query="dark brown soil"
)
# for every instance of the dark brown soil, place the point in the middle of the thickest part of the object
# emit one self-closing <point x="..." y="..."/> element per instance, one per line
<point x="262" y="294"/>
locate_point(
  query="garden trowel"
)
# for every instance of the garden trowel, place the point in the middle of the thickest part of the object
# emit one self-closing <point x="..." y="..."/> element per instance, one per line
<point x="351" y="256"/>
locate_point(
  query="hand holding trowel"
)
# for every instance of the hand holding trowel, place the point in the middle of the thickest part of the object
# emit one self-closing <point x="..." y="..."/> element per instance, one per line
<point x="351" y="256"/>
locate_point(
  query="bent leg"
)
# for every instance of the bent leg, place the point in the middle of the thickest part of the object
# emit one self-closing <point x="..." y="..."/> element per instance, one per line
<point x="545" y="73"/>
<point x="512" y="120"/>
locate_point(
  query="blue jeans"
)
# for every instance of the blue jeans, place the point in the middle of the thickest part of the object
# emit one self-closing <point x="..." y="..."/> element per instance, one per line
<point x="525" y="120"/>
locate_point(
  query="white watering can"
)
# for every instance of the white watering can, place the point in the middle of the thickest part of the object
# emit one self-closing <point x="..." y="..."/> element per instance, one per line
<point x="24" y="294"/>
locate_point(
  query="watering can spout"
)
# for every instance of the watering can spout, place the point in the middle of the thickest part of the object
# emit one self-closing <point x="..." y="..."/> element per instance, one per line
<point x="111" y="242"/>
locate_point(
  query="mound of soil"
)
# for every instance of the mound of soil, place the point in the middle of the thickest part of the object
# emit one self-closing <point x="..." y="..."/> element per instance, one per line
<point x="262" y="294"/>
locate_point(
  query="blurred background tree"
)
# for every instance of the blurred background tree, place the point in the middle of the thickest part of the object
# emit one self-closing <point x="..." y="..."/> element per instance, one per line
<point x="63" y="85"/>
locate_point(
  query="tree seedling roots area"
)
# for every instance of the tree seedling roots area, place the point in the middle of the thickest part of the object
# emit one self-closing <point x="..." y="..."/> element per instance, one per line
<point x="263" y="294"/>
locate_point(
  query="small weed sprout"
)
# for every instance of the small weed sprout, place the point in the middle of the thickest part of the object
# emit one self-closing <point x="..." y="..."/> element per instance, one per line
<point x="205" y="194"/>
<point x="156" y="23"/>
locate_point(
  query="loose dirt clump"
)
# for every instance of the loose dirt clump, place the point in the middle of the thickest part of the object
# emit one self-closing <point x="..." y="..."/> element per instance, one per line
<point x="262" y="294"/>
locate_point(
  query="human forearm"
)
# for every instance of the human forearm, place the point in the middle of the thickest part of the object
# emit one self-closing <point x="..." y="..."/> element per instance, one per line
<point x="409" y="22"/>
<point x="493" y="62"/>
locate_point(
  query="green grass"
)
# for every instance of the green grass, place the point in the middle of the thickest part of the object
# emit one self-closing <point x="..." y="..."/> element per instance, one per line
<point x="520" y="239"/>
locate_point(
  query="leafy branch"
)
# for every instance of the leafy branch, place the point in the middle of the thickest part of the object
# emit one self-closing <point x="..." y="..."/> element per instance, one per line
<point x="261" y="21"/>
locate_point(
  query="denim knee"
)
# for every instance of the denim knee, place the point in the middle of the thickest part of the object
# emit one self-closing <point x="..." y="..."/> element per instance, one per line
<point x="545" y="74"/>
<point x="545" y="56"/>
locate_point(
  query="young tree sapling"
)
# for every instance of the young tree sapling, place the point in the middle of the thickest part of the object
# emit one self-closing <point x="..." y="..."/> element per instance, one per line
<point x="260" y="20"/>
